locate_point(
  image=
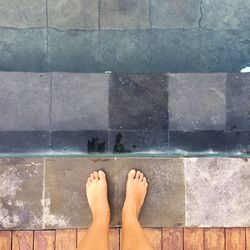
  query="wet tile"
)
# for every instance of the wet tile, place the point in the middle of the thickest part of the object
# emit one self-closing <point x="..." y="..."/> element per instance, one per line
<point x="80" y="101"/>
<point x="124" y="14"/>
<point x="197" y="101"/>
<point x="68" y="208"/>
<point x="23" y="50"/>
<point x="197" y="141"/>
<point x="138" y="102"/>
<point x="238" y="104"/>
<point x="217" y="192"/>
<point x="21" y="194"/>
<point x="238" y="142"/>
<point x="88" y="141"/>
<point x="73" y="14"/>
<point x="24" y="101"/>
<point x="73" y="51"/>
<point x="164" y="203"/>
<point x="175" y="14"/>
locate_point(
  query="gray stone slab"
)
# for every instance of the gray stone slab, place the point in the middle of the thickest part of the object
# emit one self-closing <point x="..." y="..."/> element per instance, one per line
<point x="23" y="13"/>
<point x="24" y="101"/>
<point x="23" y="50"/>
<point x="80" y="101"/>
<point x="175" y="14"/>
<point x="197" y="101"/>
<point x="73" y="14"/>
<point x="66" y="204"/>
<point x="124" y="14"/>
<point x="21" y="194"/>
<point x="74" y="51"/>
<point x="217" y="192"/>
<point x="164" y="203"/>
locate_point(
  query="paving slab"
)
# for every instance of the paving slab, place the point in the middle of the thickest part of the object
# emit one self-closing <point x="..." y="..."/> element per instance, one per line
<point x="66" y="203"/>
<point x="24" y="101"/>
<point x="80" y="101"/>
<point x="164" y="203"/>
<point x="217" y="192"/>
<point x="197" y="101"/>
<point x="238" y="142"/>
<point x="21" y="194"/>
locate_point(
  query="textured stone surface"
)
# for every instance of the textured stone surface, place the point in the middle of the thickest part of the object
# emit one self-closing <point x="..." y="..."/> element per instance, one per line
<point x="124" y="14"/>
<point x="73" y="14"/>
<point x="24" y="101"/>
<point x="21" y="193"/>
<point x="238" y="141"/>
<point x="217" y="192"/>
<point x="164" y="204"/>
<point x="80" y="101"/>
<point x="66" y="203"/>
<point x="138" y="102"/>
<point x="197" y="101"/>
<point x="175" y="14"/>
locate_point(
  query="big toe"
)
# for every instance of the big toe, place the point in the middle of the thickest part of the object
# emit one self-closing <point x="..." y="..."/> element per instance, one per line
<point x="102" y="175"/>
<point x="131" y="174"/>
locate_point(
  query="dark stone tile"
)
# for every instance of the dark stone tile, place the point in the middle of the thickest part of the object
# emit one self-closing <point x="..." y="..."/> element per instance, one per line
<point x="125" y="51"/>
<point x="138" y="141"/>
<point x="73" y="51"/>
<point x="238" y="142"/>
<point x="197" y="141"/>
<point x="24" y="141"/>
<point x="165" y="201"/>
<point x="138" y="102"/>
<point x="175" y="50"/>
<point x="66" y="204"/>
<point x="23" y="50"/>
<point x="21" y="194"/>
<point x="80" y="101"/>
<point x="88" y="141"/>
<point x="197" y="101"/>
<point x="238" y="102"/>
<point x="24" y="101"/>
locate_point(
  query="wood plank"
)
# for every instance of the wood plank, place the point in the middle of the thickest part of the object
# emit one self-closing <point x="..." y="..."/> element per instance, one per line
<point x="65" y="239"/>
<point x="22" y="240"/>
<point x="5" y="240"/>
<point x="172" y="239"/>
<point x="214" y="239"/>
<point x="193" y="239"/>
<point x="44" y="240"/>
<point x="248" y="238"/>
<point x="235" y="239"/>
<point x="154" y="236"/>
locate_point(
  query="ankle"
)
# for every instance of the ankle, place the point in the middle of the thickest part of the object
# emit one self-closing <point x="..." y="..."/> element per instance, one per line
<point x="102" y="220"/>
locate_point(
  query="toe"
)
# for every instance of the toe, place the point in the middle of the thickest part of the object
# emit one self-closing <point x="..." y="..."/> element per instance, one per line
<point x="138" y="173"/>
<point x="131" y="174"/>
<point x="101" y="175"/>
<point x="89" y="180"/>
<point x="92" y="177"/>
<point x="144" y="180"/>
<point x="141" y="176"/>
<point x="146" y="184"/>
<point x="96" y="175"/>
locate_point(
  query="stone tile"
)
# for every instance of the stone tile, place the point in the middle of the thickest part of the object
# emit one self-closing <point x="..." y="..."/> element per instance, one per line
<point x="164" y="203"/>
<point x="175" y="14"/>
<point x="197" y="101"/>
<point x="80" y="101"/>
<point x="238" y="104"/>
<point x="23" y="14"/>
<point x="217" y="192"/>
<point x="125" y="51"/>
<point x="23" y="50"/>
<point x="197" y="141"/>
<point x="175" y="50"/>
<point x="238" y="142"/>
<point x="73" y="51"/>
<point x="68" y="208"/>
<point x="124" y="14"/>
<point x="73" y="14"/>
<point x="143" y="98"/>
<point x="21" y="194"/>
<point x="88" y="141"/>
<point x="24" y="101"/>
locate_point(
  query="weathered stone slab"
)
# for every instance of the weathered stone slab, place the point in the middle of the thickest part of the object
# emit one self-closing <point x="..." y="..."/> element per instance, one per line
<point x="24" y="101"/>
<point x="238" y="142"/>
<point x="73" y="14"/>
<point x="197" y="101"/>
<point x="80" y="101"/>
<point x="21" y="194"/>
<point x="217" y="192"/>
<point x="164" y="203"/>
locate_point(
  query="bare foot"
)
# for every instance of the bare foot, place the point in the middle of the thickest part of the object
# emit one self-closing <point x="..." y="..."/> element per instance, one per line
<point x="96" y="189"/>
<point x="135" y="194"/>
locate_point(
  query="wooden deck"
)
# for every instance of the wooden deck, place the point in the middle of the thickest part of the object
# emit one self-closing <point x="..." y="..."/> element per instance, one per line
<point x="161" y="238"/>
